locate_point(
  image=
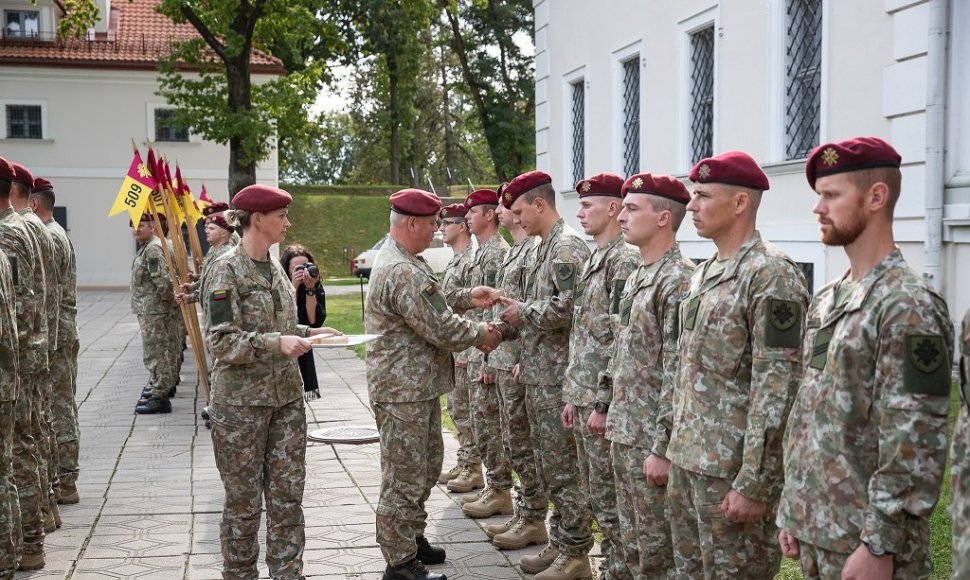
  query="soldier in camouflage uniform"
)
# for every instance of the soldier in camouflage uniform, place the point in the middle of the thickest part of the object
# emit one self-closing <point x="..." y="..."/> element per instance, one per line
<point x="408" y="367"/>
<point x="64" y="362"/>
<point x="10" y="532"/>
<point x="152" y="300"/>
<point x="590" y="348"/>
<point x="466" y="474"/>
<point x="643" y="370"/>
<point x="543" y="320"/>
<point x="28" y="275"/>
<point x="866" y="442"/>
<point x="486" y="403"/>
<point x="258" y="418"/>
<point x="528" y="524"/>
<point x="741" y="331"/>
<point x="218" y="234"/>
<point x="960" y="474"/>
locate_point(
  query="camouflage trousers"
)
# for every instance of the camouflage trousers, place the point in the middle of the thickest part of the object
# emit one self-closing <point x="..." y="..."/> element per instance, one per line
<point x="159" y="352"/>
<point x="706" y="544"/>
<point x="178" y="337"/>
<point x="412" y="450"/>
<point x="596" y="479"/>
<point x="64" y="411"/>
<point x="47" y="454"/>
<point x="459" y="408"/>
<point x="642" y="512"/>
<point x="531" y="501"/>
<point x="960" y="494"/>
<point x="11" y="535"/>
<point x="486" y="411"/>
<point x="261" y="451"/>
<point x="819" y="564"/>
<point x="31" y="494"/>
<point x="555" y="448"/>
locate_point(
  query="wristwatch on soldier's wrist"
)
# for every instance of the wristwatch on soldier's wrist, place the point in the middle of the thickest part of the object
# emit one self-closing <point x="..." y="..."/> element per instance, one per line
<point x="601" y="407"/>
<point x="877" y="552"/>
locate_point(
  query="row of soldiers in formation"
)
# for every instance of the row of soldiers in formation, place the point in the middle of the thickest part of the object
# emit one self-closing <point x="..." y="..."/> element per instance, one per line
<point x="39" y="346"/>
<point x="710" y="417"/>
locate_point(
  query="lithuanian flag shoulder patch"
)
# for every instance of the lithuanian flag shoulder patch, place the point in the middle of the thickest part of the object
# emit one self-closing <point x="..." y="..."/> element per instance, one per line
<point x="220" y="294"/>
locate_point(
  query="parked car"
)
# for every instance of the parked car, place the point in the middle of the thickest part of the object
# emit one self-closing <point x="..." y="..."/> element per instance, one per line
<point x="437" y="256"/>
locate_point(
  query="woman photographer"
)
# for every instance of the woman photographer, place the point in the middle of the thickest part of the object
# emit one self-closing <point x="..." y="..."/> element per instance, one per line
<point x="311" y="306"/>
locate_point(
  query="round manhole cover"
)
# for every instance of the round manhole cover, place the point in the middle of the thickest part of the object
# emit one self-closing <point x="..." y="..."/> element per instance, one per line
<point x="349" y="434"/>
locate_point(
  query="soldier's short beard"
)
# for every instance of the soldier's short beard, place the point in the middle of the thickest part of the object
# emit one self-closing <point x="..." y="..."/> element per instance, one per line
<point x="845" y="235"/>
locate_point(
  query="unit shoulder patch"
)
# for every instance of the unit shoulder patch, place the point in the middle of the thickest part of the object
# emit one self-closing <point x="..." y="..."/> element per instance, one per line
<point x="220" y="307"/>
<point x="565" y="275"/>
<point x="783" y="325"/>
<point x="926" y="368"/>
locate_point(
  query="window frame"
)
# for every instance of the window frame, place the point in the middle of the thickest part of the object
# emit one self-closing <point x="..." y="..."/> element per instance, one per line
<point x="4" y="103"/>
<point x="22" y="10"/>
<point x="709" y="17"/>
<point x="151" y="127"/>
<point x="569" y="81"/>
<point x="621" y="57"/>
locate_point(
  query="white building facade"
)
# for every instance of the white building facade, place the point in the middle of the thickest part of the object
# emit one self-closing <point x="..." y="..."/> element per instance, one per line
<point x="634" y="86"/>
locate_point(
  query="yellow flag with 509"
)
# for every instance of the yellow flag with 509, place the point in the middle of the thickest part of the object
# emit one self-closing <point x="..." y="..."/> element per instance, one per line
<point x="134" y="192"/>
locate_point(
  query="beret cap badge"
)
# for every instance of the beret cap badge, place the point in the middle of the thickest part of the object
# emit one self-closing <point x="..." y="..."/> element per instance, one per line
<point x="830" y="157"/>
<point x="704" y="171"/>
<point x="637" y="183"/>
<point x="587" y="186"/>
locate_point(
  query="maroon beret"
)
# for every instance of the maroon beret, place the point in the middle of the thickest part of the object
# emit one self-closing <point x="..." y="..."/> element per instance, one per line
<point x="481" y="197"/>
<point x="22" y="175"/>
<point x="606" y="184"/>
<point x="416" y="202"/>
<point x="731" y="168"/>
<point x="216" y="207"/>
<point x="41" y="184"/>
<point x="220" y="220"/>
<point x="850" y="155"/>
<point x="261" y="198"/>
<point x="6" y="170"/>
<point x="455" y="210"/>
<point x="150" y="217"/>
<point x="666" y="186"/>
<point x="522" y="184"/>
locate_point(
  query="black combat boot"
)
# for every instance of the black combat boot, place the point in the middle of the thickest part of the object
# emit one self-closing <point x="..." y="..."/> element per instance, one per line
<point x="427" y="553"/>
<point x="153" y="406"/>
<point x="411" y="570"/>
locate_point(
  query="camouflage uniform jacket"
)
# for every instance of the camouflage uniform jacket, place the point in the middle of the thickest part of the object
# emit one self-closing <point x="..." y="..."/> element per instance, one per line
<point x="245" y="316"/>
<point x="28" y="277"/>
<point x="547" y="315"/>
<point x="411" y="361"/>
<point x="9" y="348"/>
<point x="643" y="371"/>
<point x="151" y="290"/>
<point x="511" y="280"/>
<point x="741" y="335"/>
<point x="592" y="338"/>
<point x="866" y="443"/>
<point x="484" y="272"/>
<point x="198" y="287"/>
<point x="455" y="279"/>
<point x="52" y="289"/>
<point x="67" y="266"/>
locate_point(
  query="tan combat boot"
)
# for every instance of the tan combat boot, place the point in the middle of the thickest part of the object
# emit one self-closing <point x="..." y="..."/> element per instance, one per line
<point x="57" y="514"/>
<point x="68" y="494"/>
<point x="33" y="561"/>
<point x="539" y="562"/>
<point x="493" y="501"/>
<point x="49" y="523"/>
<point x="452" y="473"/>
<point x="567" y="568"/>
<point x="493" y="530"/>
<point x="470" y="497"/>
<point x="524" y="533"/>
<point x="470" y="478"/>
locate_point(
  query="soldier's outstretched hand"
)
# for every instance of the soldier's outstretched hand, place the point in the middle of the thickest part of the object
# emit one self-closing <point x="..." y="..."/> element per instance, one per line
<point x="294" y="346"/>
<point x="483" y="296"/>
<point x="740" y="509"/>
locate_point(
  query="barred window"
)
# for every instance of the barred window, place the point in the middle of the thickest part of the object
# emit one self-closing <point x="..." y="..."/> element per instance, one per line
<point x="631" y="116"/>
<point x="166" y="129"/>
<point x="701" y="94"/>
<point x="803" y="70"/>
<point x="579" y="130"/>
<point x="24" y="122"/>
<point x="21" y="23"/>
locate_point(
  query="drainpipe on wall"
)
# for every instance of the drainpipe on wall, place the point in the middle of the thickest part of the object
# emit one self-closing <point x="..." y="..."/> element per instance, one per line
<point x="935" y="141"/>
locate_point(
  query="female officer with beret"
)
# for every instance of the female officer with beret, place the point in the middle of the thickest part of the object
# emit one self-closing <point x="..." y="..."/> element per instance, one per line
<point x="258" y="420"/>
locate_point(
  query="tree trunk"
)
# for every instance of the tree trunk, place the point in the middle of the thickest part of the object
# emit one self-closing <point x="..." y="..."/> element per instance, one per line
<point x="392" y="82"/>
<point x="242" y="172"/>
<point x="451" y="161"/>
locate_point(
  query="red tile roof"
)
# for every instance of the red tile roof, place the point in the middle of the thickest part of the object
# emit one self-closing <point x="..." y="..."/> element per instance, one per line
<point x="137" y="38"/>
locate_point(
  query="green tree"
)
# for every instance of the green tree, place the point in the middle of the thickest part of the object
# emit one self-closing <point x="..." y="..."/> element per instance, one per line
<point x="328" y="156"/>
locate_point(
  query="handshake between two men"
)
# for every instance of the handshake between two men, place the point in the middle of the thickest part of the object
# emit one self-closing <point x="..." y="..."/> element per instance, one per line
<point x="485" y="297"/>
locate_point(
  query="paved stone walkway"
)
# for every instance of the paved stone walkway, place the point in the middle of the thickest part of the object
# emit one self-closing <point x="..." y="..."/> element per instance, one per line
<point x="151" y="497"/>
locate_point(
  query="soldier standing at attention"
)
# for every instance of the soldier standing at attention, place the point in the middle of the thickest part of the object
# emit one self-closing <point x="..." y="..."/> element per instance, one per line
<point x="257" y="413"/>
<point x="466" y="475"/>
<point x="741" y="335"/>
<point x="152" y="301"/>
<point x="866" y="442"/>
<point x="408" y="368"/>
<point x="10" y="532"/>
<point x="64" y="363"/>
<point x="591" y="344"/>
<point x="486" y="403"/>
<point x="960" y="471"/>
<point x="218" y="233"/>
<point x="28" y="276"/>
<point x="543" y="320"/>
<point x="643" y="370"/>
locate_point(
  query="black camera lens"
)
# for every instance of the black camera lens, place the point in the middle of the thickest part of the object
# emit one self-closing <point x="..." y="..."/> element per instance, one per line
<point x="312" y="270"/>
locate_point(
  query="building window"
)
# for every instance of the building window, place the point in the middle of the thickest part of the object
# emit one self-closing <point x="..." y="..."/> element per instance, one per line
<point x="803" y="72"/>
<point x="701" y="94"/>
<point x="21" y="23"/>
<point x="579" y="129"/>
<point x="166" y="129"/>
<point x="24" y="122"/>
<point x="631" y="116"/>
